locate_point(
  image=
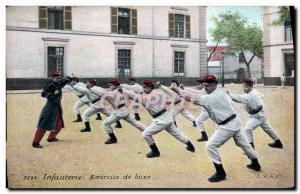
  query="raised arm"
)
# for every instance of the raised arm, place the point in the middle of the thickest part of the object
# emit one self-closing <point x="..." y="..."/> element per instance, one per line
<point x="239" y="98"/>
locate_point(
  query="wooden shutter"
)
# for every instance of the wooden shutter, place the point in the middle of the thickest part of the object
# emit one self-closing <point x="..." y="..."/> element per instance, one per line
<point x="43" y="17"/>
<point x="133" y="21"/>
<point x="68" y="18"/>
<point x="187" y="26"/>
<point x="114" y="20"/>
<point x="171" y="25"/>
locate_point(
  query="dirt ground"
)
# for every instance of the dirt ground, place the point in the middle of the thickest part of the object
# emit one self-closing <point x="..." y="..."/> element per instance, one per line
<point x="89" y="163"/>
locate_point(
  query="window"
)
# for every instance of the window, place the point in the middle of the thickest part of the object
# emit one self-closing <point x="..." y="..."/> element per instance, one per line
<point x="55" y="17"/>
<point x="288" y="31"/>
<point x="123" y="21"/>
<point x="289" y="64"/>
<point x="124" y="60"/>
<point x="179" y="26"/>
<point x="178" y="63"/>
<point x="55" y="59"/>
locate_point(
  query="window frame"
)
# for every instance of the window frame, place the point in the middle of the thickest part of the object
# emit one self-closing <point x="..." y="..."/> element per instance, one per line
<point x="117" y="48"/>
<point x="179" y="74"/>
<point x="62" y="16"/>
<point x="288" y="36"/>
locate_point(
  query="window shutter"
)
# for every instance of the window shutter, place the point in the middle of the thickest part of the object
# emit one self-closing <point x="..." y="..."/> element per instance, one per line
<point x="171" y="25"/>
<point x="43" y="17"/>
<point x="133" y="21"/>
<point x="68" y="18"/>
<point x="187" y="26"/>
<point x="114" y="20"/>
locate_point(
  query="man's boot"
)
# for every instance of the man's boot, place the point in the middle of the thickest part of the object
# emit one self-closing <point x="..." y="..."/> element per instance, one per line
<point x="194" y="124"/>
<point x="112" y="139"/>
<point x="203" y="137"/>
<point x="154" y="151"/>
<point x="252" y="144"/>
<point x="276" y="144"/>
<point x="118" y="124"/>
<point x="36" y="145"/>
<point x="79" y="119"/>
<point x="254" y="165"/>
<point x="137" y="116"/>
<point x="219" y="175"/>
<point x="190" y="147"/>
<point x="98" y="116"/>
<point x="175" y="123"/>
<point x="87" y="127"/>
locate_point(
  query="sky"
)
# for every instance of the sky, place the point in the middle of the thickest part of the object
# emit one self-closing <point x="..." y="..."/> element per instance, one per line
<point x="251" y="13"/>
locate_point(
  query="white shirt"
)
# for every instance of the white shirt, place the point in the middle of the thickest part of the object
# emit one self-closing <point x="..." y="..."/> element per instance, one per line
<point x="137" y="88"/>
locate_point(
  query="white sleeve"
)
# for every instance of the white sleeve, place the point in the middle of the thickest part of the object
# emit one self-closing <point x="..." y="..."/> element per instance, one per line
<point x="239" y="98"/>
<point x="168" y="91"/>
<point x="68" y="87"/>
<point x="81" y="89"/>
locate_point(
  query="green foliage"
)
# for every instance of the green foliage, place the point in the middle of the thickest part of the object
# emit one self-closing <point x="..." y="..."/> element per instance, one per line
<point x="234" y="30"/>
<point x="284" y="15"/>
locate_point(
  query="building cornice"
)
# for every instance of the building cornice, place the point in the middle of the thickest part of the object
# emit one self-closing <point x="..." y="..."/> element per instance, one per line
<point x="25" y="29"/>
<point x="281" y="44"/>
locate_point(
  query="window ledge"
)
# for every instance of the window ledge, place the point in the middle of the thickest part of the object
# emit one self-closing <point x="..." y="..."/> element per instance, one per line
<point x="124" y="43"/>
<point x="56" y="39"/>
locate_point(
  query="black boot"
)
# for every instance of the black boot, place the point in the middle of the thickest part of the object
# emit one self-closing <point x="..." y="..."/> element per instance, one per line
<point x="219" y="175"/>
<point x="98" y="116"/>
<point x="137" y="116"/>
<point x="79" y="119"/>
<point x="175" y="123"/>
<point x="118" y="124"/>
<point x="254" y="165"/>
<point x="154" y="151"/>
<point x="276" y="144"/>
<point x="203" y="137"/>
<point x="87" y="127"/>
<point x="112" y="139"/>
<point x="252" y="144"/>
<point x="194" y="124"/>
<point x="54" y="139"/>
<point x="190" y="147"/>
<point x="36" y="145"/>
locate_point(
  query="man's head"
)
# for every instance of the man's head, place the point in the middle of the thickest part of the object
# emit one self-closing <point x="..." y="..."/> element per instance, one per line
<point x="91" y="83"/>
<point x="199" y="83"/>
<point x="131" y="80"/>
<point x="148" y="86"/>
<point x="210" y="83"/>
<point x="56" y="76"/>
<point x="73" y="80"/>
<point x="247" y="85"/>
<point x="175" y="81"/>
<point x="113" y="84"/>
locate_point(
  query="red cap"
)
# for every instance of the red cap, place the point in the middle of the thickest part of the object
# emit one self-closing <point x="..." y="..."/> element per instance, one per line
<point x="131" y="79"/>
<point x="114" y="82"/>
<point x="93" y="81"/>
<point x="210" y="79"/>
<point x="176" y="81"/>
<point x="248" y="81"/>
<point x="148" y="83"/>
<point x="55" y="73"/>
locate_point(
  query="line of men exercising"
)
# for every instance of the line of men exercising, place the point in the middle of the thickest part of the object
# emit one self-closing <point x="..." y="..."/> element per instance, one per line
<point x="216" y="104"/>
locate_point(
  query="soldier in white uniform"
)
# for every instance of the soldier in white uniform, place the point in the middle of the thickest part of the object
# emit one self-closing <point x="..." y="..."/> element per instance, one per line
<point x="258" y="117"/>
<point x="94" y="94"/>
<point x="120" y="111"/>
<point x="155" y="103"/>
<point x="177" y="104"/>
<point x="137" y="88"/>
<point x="219" y="106"/>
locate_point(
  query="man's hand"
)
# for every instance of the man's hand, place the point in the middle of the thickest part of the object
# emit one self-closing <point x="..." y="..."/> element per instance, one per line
<point x="120" y="89"/>
<point x="173" y="85"/>
<point x="158" y="84"/>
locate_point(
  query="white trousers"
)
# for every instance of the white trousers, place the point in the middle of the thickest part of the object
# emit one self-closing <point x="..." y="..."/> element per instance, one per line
<point x="93" y="110"/>
<point x="223" y="134"/>
<point x="121" y="113"/>
<point x="78" y="104"/>
<point x="180" y="109"/>
<point x="253" y="123"/>
<point x="163" y="122"/>
<point x="200" y="120"/>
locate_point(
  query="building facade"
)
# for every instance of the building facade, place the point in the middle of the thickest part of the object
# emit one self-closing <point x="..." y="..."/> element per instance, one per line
<point x="235" y="69"/>
<point x="279" y="59"/>
<point x="104" y="42"/>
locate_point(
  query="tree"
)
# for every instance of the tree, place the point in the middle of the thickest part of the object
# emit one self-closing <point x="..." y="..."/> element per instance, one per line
<point x="234" y="30"/>
<point x="284" y="15"/>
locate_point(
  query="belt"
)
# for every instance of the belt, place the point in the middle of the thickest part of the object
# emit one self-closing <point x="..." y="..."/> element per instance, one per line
<point x="121" y="105"/>
<point x="177" y="102"/>
<point x="159" y="113"/>
<point x="96" y="100"/>
<point x="227" y="120"/>
<point x="255" y="111"/>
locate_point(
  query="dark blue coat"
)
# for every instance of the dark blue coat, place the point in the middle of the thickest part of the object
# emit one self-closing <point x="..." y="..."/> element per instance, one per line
<point x="53" y="92"/>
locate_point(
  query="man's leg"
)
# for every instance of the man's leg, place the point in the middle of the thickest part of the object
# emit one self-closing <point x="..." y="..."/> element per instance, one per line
<point x="136" y="113"/>
<point x="109" y="130"/>
<point x="86" y="118"/>
<point x="137" y="124"/>
<point x="251" y="124"/>
<point x="273" y="134"/>
<point x="39" y="134"/>
<point x="200" y="124"/>
<point x="186" y="114"/>
<point x="76" y="109"/>
<point x="58" y="127"/>
<point x="241" y="141"/>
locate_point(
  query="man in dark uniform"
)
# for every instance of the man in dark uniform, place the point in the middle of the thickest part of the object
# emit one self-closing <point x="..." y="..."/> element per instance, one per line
<point x="51" y="116"/>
